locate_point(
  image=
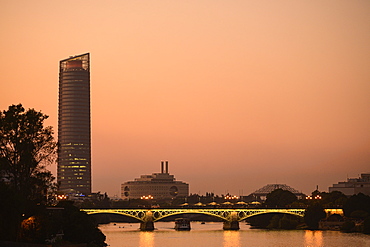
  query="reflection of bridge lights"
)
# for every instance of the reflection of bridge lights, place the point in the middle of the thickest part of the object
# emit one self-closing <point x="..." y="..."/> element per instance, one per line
<point x="146" y="239"/>
<point x="313" y="238"/>
<point x="231" y="238"/>
<point x="229" y="197"/>
<point x="149" y="197"/>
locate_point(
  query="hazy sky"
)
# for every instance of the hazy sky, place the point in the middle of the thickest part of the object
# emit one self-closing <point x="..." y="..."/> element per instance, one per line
<point x="234" y="94"/>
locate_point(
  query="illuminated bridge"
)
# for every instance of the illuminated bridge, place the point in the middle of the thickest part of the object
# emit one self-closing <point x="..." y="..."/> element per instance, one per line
<point x="230" y="217"/>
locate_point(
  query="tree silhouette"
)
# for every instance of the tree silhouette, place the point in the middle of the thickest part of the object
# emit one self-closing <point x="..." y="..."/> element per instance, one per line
<point x="314" y="213"/>
<point x="280" y="198"/>
<point x="26" y="147"/>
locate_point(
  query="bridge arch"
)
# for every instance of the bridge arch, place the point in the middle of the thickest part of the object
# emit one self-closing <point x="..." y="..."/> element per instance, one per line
<point x="161" y="214"/>
<point x="242" y="215"/>
<point x="223" y="214"/>
<point x="136" y="214"/>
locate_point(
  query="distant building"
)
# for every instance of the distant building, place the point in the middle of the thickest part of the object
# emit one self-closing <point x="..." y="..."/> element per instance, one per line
<point x="353" y="185"/>
<point x="74" y="131"/>
<point x="158" y="185"/>
<point x="260" y="194"/>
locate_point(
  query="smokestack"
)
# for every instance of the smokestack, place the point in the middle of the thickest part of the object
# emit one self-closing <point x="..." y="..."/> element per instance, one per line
<point x="166" y="166"/>
<point x="162" y="166"/>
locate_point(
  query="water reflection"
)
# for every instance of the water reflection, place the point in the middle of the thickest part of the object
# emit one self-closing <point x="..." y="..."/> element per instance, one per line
<point x="146" y="239"/>
<point x="231" y="239"/>
<point x="313" y="238"/>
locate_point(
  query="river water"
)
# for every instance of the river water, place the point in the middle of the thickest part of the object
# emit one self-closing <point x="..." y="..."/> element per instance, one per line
<point x="211" y="234"/>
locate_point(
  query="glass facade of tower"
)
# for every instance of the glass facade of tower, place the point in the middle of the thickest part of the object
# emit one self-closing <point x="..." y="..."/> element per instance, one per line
<point x="74" y="131"/>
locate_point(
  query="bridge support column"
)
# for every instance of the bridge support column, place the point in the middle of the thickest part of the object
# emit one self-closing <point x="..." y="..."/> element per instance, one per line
<point x="232" y="223"/>
<point x="147" y="226"/>
<point x="148" y="223"/>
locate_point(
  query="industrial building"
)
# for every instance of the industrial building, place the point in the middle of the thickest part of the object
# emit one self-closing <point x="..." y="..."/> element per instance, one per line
<point x="157" y="186"/>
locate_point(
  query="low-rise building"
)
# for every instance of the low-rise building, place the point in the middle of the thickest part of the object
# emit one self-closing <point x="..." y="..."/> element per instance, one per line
<point x="158" y="186"/>
<point x="353" y="185"/>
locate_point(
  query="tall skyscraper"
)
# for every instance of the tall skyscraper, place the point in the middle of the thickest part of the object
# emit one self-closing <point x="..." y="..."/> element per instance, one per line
<point x="74" y="131"/>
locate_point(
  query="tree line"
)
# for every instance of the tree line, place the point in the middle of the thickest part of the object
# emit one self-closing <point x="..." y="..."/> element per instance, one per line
<point x="356" y="209"/>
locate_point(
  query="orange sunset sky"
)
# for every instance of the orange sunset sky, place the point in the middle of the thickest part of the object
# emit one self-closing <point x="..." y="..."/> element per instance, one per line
<point x="234" y="94"/>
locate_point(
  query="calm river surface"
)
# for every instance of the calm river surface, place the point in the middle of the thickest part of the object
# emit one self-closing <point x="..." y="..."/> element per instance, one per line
<point x="211" y="234"/>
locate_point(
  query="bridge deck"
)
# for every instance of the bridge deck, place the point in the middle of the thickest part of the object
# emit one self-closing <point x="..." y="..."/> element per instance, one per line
<point x="226" y="214"/>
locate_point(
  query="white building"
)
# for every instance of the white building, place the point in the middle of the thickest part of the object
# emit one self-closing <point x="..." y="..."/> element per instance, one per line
<point x="353" y="185"/>
<point x="158" y="185"/>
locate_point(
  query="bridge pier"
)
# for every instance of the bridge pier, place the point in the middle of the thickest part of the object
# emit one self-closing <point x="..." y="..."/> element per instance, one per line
<point x="231" y="225"/>
<point x="232" y="222"/>
<point x="148" y="223"/>
<point x="147" y="226"/>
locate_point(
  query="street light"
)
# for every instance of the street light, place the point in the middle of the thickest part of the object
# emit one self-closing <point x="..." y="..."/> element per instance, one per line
<point x="61" y="197"/>
<point x="149" y="197"/>
<point x="317" y="197"/>
<point x="229" y="197"/>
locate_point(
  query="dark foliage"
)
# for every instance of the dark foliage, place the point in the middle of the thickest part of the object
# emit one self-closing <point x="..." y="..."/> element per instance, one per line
<point x="333" y="199"/>
<point x="66" y="220"/>
<point x="367" y="226"/>
<point x="314" y="213"/>
<point x="355" y="203"/>
<point x="348" y="226"/>
<point x="78" y="227"/>
<point x="26" y="147"/>
<point x="288" y="222"/>
<point x="280" y="198"/>
<point x="12" y="207"/>
<point x="260" y="221"/>
<point x="274" y="221"/>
